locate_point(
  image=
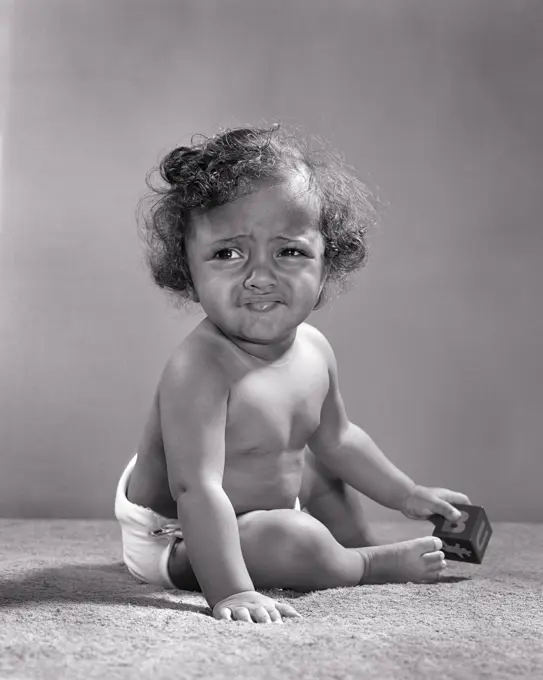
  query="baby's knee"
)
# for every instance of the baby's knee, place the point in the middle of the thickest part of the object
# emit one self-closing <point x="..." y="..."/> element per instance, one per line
<point x="294" y="534"/>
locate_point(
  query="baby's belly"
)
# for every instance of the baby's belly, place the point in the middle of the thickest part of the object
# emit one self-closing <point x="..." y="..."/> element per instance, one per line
<point x="252" y="481"/>
<point x="263" y="481"/>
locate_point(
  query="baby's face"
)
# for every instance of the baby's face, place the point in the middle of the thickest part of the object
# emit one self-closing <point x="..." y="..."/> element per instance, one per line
<point x="266" y="245"/>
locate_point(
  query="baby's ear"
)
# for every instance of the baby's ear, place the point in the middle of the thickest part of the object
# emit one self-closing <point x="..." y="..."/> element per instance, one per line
<point x="321" y="294"/>
<point x="191" y="293"/>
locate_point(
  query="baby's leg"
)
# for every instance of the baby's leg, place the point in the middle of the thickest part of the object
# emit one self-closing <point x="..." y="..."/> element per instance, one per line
<point x="290" y="549"/>
<point x="336" y="504"/>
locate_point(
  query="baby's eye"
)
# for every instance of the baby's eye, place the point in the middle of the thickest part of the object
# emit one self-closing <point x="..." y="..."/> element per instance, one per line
<point x="223" y="250"/>
<point x="231" y="250"/>
<point x="292" y="250"/>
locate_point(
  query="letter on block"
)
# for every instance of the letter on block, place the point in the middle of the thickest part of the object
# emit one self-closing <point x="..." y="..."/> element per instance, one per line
<point x="466" y="539"/>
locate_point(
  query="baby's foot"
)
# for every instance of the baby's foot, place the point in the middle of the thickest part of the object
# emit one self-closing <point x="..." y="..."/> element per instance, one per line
<point x="417" y="561"/>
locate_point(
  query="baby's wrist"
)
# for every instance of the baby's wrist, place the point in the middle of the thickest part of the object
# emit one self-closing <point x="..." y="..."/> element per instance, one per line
<point x="407" y="493"/>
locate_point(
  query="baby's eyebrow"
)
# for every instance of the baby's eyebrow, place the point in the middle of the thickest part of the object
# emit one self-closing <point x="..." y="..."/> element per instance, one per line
<point x="239" y="237"/>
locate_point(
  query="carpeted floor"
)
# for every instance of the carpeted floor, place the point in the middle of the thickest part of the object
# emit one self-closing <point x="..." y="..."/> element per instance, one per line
<point x="70" y="609"/>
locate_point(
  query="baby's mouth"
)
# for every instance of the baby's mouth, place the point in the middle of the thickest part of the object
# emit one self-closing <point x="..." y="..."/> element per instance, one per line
<point x="263" y="306"/>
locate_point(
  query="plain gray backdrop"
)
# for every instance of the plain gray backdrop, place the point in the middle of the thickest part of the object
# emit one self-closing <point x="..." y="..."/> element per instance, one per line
<point x="439" y="103"/>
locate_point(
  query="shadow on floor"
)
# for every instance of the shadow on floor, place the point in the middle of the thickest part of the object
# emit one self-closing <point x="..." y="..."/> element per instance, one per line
<point x="100" y="583"/>
<point x="111" y="583"/>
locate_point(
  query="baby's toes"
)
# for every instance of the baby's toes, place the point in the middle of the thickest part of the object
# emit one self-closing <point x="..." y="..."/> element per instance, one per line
<point x="429" y="545"/>
<point x="436" y="567"/>
<point x="432" y="559"/>
<point x="438" y="543"/>
<point x="439" y="565"/>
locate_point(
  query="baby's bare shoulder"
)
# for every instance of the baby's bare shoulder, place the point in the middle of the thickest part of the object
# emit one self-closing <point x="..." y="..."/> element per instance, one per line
<point x="318" y="340"/>
<point x="193" y="360"/>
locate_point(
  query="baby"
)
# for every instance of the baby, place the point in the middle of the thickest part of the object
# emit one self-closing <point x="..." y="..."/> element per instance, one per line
<point x="247" y="426"/>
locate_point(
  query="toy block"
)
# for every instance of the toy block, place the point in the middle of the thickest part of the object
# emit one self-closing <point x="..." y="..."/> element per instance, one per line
<point x="466" y="539"/>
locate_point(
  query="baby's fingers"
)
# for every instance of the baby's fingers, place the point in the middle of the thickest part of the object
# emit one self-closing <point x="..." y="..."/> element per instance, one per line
<point x="275" y="616"/>
<point x="287" y="610"/>
<point x="241" y="614"/>
<point x="460" y="498"/>
<point x="448" y="511"/>
<point x="453" y="496"/>
<point x="261" y="615"/>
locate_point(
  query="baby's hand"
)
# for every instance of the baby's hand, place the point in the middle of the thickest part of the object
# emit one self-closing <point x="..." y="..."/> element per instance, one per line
<point x="252" y="606"/>
<point x="423" y="502"/>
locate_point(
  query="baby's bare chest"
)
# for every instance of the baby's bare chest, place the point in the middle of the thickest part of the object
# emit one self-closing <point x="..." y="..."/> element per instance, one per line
<point x="275" y="410"/>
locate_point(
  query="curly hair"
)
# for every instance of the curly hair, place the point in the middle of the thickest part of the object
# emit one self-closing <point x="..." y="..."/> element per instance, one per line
<point x="232" y="164"/>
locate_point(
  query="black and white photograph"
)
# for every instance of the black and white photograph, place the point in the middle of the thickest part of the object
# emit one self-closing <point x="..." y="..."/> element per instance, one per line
<point x="271" y="339"/>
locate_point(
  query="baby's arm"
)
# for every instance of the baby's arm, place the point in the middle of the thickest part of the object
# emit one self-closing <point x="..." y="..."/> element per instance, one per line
<point x="193" y="398"/>
<point x="353" y="456"/>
